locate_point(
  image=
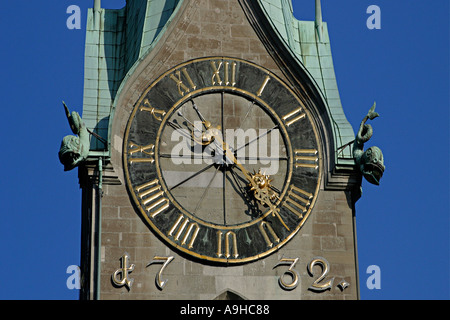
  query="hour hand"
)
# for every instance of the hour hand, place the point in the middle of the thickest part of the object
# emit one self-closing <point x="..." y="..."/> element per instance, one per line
<point x="230" y="158"/>
<point x="258" y="182"/>
<point x="262" y="191"/>
<point x="199" y="136"/>
<point x="211" y="131"/>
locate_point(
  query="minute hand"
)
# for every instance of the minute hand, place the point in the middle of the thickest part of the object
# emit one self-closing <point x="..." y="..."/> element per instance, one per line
<point x="230" y="155"/>
<point x="260" y="194"/>
<point x="262" y="197"/>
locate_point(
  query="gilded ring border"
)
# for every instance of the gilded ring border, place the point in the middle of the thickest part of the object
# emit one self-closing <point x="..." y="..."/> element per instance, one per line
<point x="166" y="238"/>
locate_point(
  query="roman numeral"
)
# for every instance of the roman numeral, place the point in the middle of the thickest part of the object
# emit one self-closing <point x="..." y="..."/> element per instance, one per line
<point x="229" y="79"/>
<point x="157" y="114"/>
<point x="266" y="230"/>
<point x="182" y="88"/>
<point x="216" y="75"/>
<point x="294" y="116"/>
<point x="231" y="83"/>
<point x="152" y="198"/>
<point x="297" y="201"/>
<point x="306" y="158"/>
<point x="230" y="240"/>
<point x="263" y="86"/>
<point x="183" y="227"/>
<point x="146" y="150"/>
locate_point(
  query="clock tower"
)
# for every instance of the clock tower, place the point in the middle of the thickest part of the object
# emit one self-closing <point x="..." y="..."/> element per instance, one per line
<point x="220" y="162"/>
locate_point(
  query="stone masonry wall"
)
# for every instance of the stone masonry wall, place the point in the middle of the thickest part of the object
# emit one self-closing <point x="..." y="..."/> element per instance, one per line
<point x="207" y="28"/>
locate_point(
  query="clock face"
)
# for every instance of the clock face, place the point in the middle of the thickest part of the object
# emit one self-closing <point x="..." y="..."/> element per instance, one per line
<point x="222" y="160"/>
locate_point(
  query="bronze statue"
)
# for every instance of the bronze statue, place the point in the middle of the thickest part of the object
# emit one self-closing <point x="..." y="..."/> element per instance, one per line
<point x="74" y="149"/>
<point x="369" y="162"/>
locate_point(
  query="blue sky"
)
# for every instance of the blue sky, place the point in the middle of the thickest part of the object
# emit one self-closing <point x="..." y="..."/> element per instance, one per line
<point x="402" y="225"/>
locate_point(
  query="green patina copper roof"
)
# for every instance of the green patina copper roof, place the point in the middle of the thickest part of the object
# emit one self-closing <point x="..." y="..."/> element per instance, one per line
<point x="113" y="45"/>
<point x="315" y="54"/>
<point x="121" y="37"/>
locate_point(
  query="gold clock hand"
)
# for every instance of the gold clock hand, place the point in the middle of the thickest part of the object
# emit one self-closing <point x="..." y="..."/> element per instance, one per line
<point x="206" y="138"/>
<point x="230" y="155"/>
<point x="260" y="186"/>
<point x="259" y="183"/>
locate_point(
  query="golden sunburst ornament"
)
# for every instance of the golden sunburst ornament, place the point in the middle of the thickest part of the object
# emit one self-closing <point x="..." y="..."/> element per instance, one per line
<point x="262" y="187"/>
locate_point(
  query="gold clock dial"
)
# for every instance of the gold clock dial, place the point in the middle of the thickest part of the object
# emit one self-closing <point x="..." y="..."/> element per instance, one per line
<point x="212" y="148"/>
<point x="222" y="159"/>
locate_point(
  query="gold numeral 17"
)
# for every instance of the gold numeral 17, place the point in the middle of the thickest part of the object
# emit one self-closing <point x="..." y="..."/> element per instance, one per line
<point x="160" y="282"/>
